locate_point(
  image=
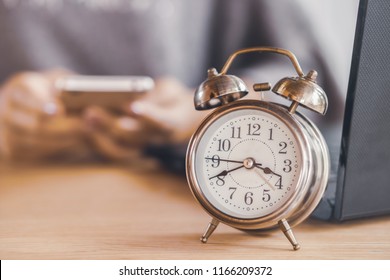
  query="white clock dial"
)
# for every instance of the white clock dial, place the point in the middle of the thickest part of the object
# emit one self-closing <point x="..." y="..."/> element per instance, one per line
<point x="248" y="163"/>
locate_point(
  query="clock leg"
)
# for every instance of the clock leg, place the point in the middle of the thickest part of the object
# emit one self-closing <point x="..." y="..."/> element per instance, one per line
<point x="209" y="230"/>
<point x="285" y="227"/>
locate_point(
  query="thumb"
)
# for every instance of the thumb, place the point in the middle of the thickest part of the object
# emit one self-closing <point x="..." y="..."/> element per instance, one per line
<point x="152" y="115"/>
<point x="33" y="92"/>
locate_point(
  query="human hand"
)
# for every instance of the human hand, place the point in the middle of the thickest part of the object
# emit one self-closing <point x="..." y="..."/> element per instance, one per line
<point x="33" y="121"/>
<point x="164" y="116"/>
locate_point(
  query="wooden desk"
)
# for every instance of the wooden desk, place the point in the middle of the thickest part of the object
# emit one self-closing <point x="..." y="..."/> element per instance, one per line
<point x="114" y="212"/>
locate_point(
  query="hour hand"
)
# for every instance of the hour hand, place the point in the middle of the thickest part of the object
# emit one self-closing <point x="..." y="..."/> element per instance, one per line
<point x="226" y="172"/>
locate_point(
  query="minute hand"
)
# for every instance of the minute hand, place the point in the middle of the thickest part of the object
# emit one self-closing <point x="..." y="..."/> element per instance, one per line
<point x="226" y="160"/>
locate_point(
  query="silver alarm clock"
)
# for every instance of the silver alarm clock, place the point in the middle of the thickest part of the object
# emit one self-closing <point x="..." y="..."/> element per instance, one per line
<point x="257" y="165"/>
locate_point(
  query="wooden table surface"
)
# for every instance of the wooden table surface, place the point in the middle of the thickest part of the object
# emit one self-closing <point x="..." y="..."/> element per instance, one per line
<point x="99" y="211"/>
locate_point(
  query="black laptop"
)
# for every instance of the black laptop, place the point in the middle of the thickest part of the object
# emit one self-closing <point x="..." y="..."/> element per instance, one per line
<point x="359" y="185"/>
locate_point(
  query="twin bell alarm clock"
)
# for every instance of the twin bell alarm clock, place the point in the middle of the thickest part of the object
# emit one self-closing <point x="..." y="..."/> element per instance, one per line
<point x="256" y="165"/>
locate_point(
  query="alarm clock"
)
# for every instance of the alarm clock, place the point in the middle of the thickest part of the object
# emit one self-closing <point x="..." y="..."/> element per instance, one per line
<point x="257" y="165"/>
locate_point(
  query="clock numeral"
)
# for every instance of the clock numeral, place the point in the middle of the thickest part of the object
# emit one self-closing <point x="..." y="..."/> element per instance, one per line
<point x="279" y="183"/>
<point x="253" y="129"/>
<point x="215" y="161"/>
<point x="283" y="146"/>
<point x="224" y="145"/>
<point x="236" y="132"/>
<point x="233" y="191"/>
<point x="287" y="168"/>
<point x="266" y="196"/>
<point x="248" y="198"/>
<point x="220" y="181"/>
<point x="270" y="134"/>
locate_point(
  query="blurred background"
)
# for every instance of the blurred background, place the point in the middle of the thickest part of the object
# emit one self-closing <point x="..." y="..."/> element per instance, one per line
<point x="173" y="42"/>
<point x="48" y="149"/>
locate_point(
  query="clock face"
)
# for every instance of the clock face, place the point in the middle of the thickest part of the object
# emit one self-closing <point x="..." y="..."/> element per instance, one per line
<point x="248" y="163"/>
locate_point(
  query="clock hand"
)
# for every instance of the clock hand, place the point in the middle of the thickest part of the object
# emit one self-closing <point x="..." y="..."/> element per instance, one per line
<point x="267" y="170"/>
<point x="226" y="172"/>
<point x="227" y="160"/>
<point x="265" y="180"/>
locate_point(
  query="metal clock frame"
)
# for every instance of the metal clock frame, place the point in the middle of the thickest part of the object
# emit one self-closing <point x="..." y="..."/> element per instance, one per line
<point x="310" y="185"/>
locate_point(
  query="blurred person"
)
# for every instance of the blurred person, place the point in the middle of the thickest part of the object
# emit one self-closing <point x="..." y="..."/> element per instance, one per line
<point x="174" y="42"/>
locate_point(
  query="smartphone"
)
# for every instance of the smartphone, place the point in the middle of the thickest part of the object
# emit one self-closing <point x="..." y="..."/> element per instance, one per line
<point x="110" y="92"/>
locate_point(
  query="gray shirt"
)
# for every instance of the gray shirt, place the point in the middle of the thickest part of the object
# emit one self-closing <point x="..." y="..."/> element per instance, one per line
<point x="181" y="38"/>
<point x="120" y="37"/>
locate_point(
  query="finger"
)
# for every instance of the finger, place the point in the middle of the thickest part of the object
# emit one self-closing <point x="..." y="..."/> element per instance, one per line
<point x="54" y="76"/>
<point x="125" y="130"/>
<point x="98" y="118"/>
<point x="18" y="99"/>
<point x="153" y="116"/>
<point x="175" y="124"/>
<point x="20" y="122"/>
<point x="34" y="93"/>
<point x="115" y="138"/>
<point x="42" y="84"/>
<point x="165" y="93"/>
<point x="62" y="126"/>
<point x="109" y="148"/>
<point x="167" y="90"/>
